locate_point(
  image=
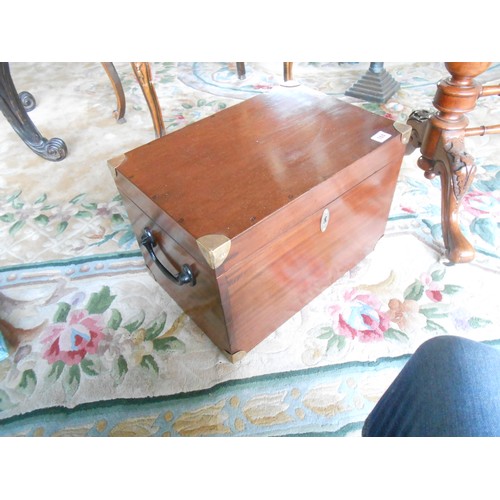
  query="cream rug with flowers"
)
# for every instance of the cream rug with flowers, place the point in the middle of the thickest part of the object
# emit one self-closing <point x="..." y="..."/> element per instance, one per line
<point x="94" y="347"/>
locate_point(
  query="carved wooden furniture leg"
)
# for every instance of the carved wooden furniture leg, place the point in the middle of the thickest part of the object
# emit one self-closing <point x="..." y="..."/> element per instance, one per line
<point x="12" y="107"/>
<point x="142" y="71"/>
<point x="440" y="137"/>
<point x="119" y="113"/>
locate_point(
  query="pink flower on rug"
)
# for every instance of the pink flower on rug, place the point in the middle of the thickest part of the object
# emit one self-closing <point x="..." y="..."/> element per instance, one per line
<point x="408" y="210"/>
<point x="433" y="289"/>
<point x="72" y="341"/>
<point x="480" y="204"/>
<point x="262" y="86"/>
<point x="360" y="317"/>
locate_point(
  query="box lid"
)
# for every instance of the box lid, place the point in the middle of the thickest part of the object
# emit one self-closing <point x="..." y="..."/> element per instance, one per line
<point x="224" y="186"/>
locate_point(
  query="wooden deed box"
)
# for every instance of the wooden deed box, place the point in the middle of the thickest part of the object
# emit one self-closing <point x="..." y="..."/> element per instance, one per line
<point x="245" y="216"/>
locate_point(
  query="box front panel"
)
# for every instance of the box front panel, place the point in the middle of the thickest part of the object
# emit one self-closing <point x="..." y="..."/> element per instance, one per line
<point x="245" y="245"/>
<point x="268" y="289"/>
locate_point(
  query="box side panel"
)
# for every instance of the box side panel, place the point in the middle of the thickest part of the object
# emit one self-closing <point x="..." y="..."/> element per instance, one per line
<point x="280" y="279"/>
<point x="130" y="191"/>
<point x="202" y="302"/>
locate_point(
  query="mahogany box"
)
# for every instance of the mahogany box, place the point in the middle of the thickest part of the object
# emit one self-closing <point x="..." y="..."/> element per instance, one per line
<point x="245" y="216"/>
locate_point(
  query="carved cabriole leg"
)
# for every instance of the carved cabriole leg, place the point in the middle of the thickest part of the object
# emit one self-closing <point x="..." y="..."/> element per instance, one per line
<point x="143" y="73"/>
<point x="456" y="169"/>
<point x="14" y="110"/>
<point x="118" y="88"/>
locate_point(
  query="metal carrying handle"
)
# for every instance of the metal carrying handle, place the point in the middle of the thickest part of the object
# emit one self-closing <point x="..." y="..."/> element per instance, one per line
<point x="182" y="278"/>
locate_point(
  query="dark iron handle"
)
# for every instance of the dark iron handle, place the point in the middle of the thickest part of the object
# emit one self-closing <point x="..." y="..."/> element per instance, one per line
<point x="184" y="277"/>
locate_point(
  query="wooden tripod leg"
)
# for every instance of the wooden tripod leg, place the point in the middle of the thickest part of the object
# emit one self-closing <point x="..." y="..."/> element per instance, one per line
<point x="440" y="138"/>
<point x="456" y="169"/>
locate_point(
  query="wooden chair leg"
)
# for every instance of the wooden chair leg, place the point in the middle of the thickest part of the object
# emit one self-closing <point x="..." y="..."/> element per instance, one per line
<point x="143" y="73"/>
<point x="110" y="69"/>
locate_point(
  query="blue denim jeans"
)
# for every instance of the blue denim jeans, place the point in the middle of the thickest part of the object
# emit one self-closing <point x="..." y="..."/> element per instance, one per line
<point x="449" y="387"/>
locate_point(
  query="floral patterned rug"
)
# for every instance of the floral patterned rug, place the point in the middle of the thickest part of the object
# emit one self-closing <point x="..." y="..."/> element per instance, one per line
<point x="94" y="347"/>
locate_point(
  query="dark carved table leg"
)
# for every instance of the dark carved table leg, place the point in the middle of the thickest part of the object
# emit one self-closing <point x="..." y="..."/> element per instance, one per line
<point x="14" y="110"/>
<point x="142" y="71"/>
<point x="440" y="138"/>
<point x="27" y="100"/>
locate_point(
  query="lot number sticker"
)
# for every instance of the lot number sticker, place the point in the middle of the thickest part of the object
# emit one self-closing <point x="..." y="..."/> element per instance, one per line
<point x="380" y="136"/>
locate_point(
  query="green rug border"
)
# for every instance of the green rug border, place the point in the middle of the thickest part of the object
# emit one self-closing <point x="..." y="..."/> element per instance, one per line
<point x="218" y="388"/>
<point x="213" y="390"/>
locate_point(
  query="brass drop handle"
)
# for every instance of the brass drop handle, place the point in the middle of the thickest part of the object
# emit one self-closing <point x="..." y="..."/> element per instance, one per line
<point x="182" y="278"/>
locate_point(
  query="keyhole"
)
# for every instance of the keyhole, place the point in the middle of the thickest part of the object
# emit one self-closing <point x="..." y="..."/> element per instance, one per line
<point x="325" y="218"/>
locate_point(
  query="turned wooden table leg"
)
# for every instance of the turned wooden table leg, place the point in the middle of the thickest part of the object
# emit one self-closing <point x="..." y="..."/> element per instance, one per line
<point x="14" y="107"/>
<point x="118" y="88"/>
<point x="143" y="73"/>
<point x="440" y="137"/>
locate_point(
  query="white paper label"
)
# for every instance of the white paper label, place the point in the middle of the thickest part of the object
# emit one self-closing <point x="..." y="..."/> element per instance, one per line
<point x="380" y="136"/>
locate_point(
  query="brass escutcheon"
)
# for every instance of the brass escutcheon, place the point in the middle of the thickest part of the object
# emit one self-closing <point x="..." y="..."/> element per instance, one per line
<point x="325" y="219"/>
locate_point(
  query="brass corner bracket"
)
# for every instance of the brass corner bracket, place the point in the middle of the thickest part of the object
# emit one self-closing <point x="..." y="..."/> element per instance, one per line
<point x="214" y="248"/>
